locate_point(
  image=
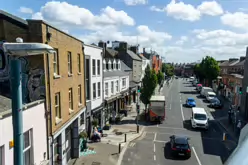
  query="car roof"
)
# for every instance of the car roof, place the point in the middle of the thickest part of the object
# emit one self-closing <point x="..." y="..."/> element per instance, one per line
<point x="199" y="110"/>
<point x="181" y="139"/>
<point x="211" y="93"/>
<point x="190" y="98"/>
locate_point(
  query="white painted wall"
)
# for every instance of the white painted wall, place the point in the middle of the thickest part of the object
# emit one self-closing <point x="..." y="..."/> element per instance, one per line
<point x="95" y="53"/>
<point x="137" y="70"/>
<point x="33" y="118"/>
<point x="123" y="88"/>
<point x="108" y="80"/>
<point x="144" y="65"/>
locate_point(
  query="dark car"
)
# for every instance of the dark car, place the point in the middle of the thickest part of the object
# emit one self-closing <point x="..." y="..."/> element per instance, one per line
<point x="215" y="103"/>
<point x="180" y="146"/>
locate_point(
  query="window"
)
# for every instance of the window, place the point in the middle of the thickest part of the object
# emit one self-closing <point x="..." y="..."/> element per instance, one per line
<point x="123" y="82"/>
<point x="79" y="63"/>
<point x="94" y="67"/>
<point x="112" y="65"/>
<point x="99" y="89"/>
<point x="87" y="78"/>
<point x="107" y="66"/>
<point x="112" y="87"/>
<point x="82" y="119"/>
<point x="117" y="86"/>
<point x="70" y="99"/>
<point x="79" y="95"/>
<point x="56" y="62"/>
<point x="2" y="155"/>
<point x="117" y="66"/>
<point x="106" y="89"/>
<point x="27" y="152"/>
<point x="69" y="63"/>
<point x="57" y="149"/>
<point x="94" y="90"/>
<point x="98" y="67"/>
<point x="57" y="105"/>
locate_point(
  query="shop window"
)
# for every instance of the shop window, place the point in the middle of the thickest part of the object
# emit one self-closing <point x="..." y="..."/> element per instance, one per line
<point x="82" y="119"/>
<point x="27" y="152"/>
<point x="57" y="150"/>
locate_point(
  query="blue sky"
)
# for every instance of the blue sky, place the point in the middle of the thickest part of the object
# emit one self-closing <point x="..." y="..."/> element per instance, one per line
<point x="181" y="31"/>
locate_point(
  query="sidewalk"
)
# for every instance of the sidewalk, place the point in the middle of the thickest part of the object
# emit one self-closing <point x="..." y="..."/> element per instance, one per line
<point x="105" y="154"/>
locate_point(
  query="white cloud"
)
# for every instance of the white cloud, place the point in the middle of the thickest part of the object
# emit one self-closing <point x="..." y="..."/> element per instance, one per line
<point x="135" y="2"/>
<point x="65" y="14"/>
<point x="182" y="40"/>
<point x="237" y="20"/>
<point x="182" y="11"/>
<point x="26" y="10"/>
<point x="210" y="8"/>
<point x="188" y="12"/>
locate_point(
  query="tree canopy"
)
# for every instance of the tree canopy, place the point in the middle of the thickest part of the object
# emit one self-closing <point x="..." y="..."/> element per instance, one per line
<point x="168" y="69"/>
<point x="207" y="69"/>
<point x="160" y="77"/>
<point x="149" y="83"/>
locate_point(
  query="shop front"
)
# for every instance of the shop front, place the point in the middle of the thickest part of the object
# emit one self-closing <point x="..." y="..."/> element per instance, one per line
<point x="111" y="108"/>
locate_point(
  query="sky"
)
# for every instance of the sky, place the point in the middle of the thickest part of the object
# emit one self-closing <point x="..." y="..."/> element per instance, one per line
<point x="179" y="30"/>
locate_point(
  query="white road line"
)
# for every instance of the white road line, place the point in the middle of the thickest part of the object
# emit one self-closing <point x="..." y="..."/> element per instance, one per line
<point x="157" y="125"/>
<point x="197" y="158"/>
<point x="154" y="157"/>
<point x="170" y="106"/>
<point x="161" y="141"/>
<point x="182" y="111"/>
<point x="154" y="147"/>
<point x="155" y="136"/>
<point x="169" y="127"/>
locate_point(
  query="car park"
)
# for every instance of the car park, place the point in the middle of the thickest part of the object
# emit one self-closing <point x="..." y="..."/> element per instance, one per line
<point x="180" y="146"/>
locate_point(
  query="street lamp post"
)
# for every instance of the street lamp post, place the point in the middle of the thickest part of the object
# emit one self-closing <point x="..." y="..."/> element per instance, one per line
<point x="16" y="50"/>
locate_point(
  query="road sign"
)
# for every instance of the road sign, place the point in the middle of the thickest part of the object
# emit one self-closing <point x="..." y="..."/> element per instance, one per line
<point x="138" y="91"/>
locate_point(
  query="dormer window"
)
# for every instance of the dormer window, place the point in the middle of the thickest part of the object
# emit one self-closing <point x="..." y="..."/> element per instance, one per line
<point x="104" y="65"/>
<point x="109" y="66"/>
<point x="117" y="66"/>
<point x="114" y="65"/>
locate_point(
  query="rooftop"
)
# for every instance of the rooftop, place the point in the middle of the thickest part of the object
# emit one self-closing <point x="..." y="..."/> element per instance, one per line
<point x="114" y="73"/>
<point x="124" y="67"/>
<point x="133" y="55"/>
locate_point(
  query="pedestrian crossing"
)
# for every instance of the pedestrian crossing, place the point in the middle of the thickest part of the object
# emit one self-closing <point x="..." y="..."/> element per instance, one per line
<point x="132" y="144"/>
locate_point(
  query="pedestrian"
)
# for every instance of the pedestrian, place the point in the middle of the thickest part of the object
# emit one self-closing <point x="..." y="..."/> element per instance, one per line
<point x="239" y="127"/>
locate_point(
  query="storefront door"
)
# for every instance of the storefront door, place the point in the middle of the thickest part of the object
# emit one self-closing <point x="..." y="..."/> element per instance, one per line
<point x="68" y="143"/>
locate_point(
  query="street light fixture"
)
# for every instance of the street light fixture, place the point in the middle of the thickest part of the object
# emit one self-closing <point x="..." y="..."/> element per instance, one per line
<point x="16" y="50"/>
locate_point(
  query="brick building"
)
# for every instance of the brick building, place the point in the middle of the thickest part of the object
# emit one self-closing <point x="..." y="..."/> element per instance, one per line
<point x="58" y="78"/>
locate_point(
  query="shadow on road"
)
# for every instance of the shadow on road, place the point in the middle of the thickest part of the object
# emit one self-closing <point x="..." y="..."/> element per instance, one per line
<point x="188" y="92"/>
<point x="168" y="154"/>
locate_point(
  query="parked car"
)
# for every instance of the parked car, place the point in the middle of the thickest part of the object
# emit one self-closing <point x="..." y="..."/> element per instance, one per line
<point x="210" y="96"/>
<point x="215" y="103"/>
<point x="180" y="146"/>
<point x="190" y="102"/>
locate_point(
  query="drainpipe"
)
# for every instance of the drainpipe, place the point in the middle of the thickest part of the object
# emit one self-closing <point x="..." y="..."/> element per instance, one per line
<point x="50" y="103"/>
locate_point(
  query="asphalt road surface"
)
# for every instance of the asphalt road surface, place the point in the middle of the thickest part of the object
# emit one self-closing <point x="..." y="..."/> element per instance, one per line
<point x="207" y="147"/>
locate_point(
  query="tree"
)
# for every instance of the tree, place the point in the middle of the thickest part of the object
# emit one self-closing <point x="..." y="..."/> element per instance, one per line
<point x="169" y="70"/>
<point x="160" y="77"/>
<point x="208" y="69"/>
<point x="149" y="83"/>
<point x="198" y="72"/>
<point x="163" y="67"/>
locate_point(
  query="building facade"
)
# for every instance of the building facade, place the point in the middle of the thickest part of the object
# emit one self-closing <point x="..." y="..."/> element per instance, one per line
<point x="94" y="83"/>
<point x="58" y="78"/>
<point x="34" y="133"/>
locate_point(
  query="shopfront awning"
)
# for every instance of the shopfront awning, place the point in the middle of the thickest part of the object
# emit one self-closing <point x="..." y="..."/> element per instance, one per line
<point x="112" y="98"/>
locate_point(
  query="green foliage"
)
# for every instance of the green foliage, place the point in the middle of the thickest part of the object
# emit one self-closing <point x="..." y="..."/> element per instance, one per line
<point x="169" y="69"/>
<point x="160" y="77"/>
<point x="149" y="83"/>
<point x="163" y="67"/>
<point x="208" y="69"/>
<point x="83" y="135"/>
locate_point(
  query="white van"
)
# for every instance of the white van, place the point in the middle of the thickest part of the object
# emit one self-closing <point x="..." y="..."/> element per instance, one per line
<point x="205" y="90"/>
<point x="210" y="96"/>
<point x="199" y="118"/>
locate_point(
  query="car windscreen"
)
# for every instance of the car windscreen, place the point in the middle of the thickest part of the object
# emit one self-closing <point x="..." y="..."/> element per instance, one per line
<point x="181" y="146"/>
<point x="211" y="95"/>
<point x="200" y="117"/>
<point x="191" y="100"/>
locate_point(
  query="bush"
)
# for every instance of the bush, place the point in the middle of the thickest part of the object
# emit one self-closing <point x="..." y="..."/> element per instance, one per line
<point x="83" y="135"/>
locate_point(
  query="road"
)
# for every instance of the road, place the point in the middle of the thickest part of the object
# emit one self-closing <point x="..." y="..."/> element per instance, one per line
<point x="152" y="147"/>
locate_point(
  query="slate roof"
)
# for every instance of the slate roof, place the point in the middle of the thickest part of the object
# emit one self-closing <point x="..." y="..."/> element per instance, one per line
<point x="225" y="63"/>
<point x="241" y="63"/>
<point x="112" y="52"/>
<point x="124" y="67"/>
<point x="114" y="73"/>
<point x="133" y="55"/>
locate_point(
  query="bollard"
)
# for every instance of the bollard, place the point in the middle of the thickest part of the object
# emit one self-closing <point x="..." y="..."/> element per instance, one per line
<point x="119" y="147"/>
<point x="125" y="138"/>
<point x="224" y="136"/>
<point x="137" y="128"/>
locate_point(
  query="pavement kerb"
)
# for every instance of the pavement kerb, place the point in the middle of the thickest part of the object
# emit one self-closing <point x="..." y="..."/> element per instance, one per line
<point x="232" y="136"/>
<point x="126" y="146"/>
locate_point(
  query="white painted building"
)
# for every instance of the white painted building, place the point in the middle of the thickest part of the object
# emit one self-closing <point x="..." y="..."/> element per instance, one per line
<point x="145" y="62"/>
<point x="116" y="86"/>
<point x="34" y="133"/>
<point x="94" y="82"/>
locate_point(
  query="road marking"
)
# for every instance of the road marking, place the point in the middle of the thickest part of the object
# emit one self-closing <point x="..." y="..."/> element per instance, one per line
<point x="157" y="125"/>
<point x="182" y="111"/>
<point x="197" y="158"/>
<point x="170" y="128"/>
<point x="155" y="136"/>
<point x="161" y="141"/>
<point x="154" y="147"/>
<point x="170" y="106"/>
<point x="154" y="157"/>
<point x="132" y="144"/>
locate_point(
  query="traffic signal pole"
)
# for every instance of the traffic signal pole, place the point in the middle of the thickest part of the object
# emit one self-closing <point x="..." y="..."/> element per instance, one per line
<point x="17" y="118"/>
<point x="138" y="110"/>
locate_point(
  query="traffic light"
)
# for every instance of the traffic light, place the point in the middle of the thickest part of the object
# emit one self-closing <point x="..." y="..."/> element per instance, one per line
<point x="240" y="90"/>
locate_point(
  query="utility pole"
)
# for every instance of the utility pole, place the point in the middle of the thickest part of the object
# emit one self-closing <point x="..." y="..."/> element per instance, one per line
<point x="138" y="110"/>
